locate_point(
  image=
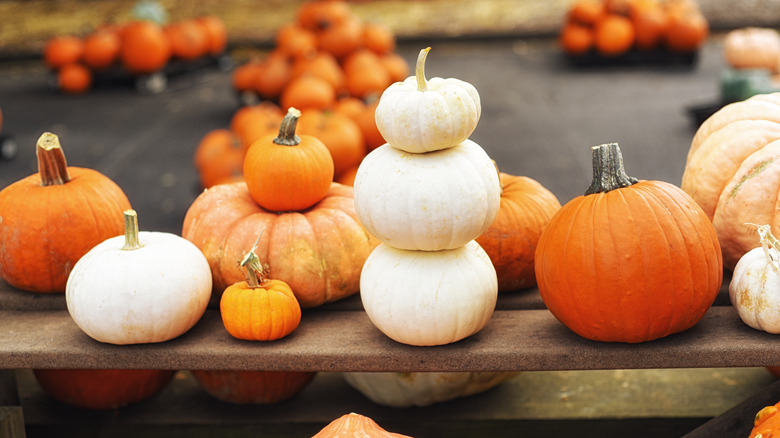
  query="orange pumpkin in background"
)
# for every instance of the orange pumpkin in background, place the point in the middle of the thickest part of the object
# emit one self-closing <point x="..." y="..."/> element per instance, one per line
<point x="526" y="208"/>
<point x="219" y="158"/>
<point x="145" y="47"/>
<point x="74" y="78"/>
<point x="295" y="42"/>
<point x="308" y="91"/>
<point x="188" y="40"/>
<point x="365" y="74"/>
<point x="252" y="387"/>
<point x="102" y="48"/>
<point x="102" y="389"/>
<point x="250" y="123"/>
<point x="54" y="217"/>
<point x="63" y="50"/>
<point x="216" y="34"/>
<point x="355" y="425"/>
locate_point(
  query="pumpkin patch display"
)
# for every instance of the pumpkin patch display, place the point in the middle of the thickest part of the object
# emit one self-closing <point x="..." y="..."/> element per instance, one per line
<point x="316" y="246"/>
<point x="98" y="389"/>
<point x="429" y="282"/>
<point x="510" y="241"/>
<point x="259" y="309"/>
<point x="54" y="217"/>
<point x="733" y="173"/>
<point x="629" y="261"/>
<point x="355" y="425"/>
<point x="252" y="387"/>
<point x="140" y="287"/>
<point x="754" y="289"/>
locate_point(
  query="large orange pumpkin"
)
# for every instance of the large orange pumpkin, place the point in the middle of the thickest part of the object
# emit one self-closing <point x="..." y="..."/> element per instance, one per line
<point x="526" y="208"/>
<point x="52" y="218"/>
<point x="319" y="251"/>
<point x="252" y="387"/>
<point x="733" y="173"/>
<point x="766" y="423"/>
<point x="629" y="261"/>
<point x="102" y="389"/>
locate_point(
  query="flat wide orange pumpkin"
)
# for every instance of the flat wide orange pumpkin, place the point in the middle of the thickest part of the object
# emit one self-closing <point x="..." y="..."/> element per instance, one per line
<point x="319" y="252"/>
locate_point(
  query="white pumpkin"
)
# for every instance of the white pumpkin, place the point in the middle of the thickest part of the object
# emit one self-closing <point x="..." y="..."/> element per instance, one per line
<point x="433" y="201"/>
<point x="753" y="48"/>
<point x="429" y="297"/>
<point x="139" y="288"/>
<point x="402" y="390"/>
<point x="755" y="284"/>
<point x="420" y="115"/>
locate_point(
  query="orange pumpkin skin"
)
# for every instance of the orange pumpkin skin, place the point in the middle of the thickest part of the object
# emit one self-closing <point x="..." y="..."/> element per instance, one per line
<point x="632" y="264"/>
<point x="526" y="208"/>
<point x="219" y="158"/>
<point x="102" y="389"/>
<point x="266" y="312"/>
<point x="253" y="387"/>
<point x="766" y="423"/>
<point x="319" y="252"/>
<point x="339" y="133"/>
<point x="145" y="47"/>
<point x="355" y="425"/>
<point x="46" y="229"/>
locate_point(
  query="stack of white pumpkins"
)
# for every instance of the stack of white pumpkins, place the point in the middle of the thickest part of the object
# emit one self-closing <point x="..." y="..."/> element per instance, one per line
<point x="426" y="195"/>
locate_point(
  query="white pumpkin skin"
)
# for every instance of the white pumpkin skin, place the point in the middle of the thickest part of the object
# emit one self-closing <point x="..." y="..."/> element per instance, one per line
<point x="145" y="295"/>
<point x="755" y="291"/>
<point x="402" y="390"/>
<point x="441" y="114"/>
<point x="434" y="201"/>
<point x="427" y="298"/>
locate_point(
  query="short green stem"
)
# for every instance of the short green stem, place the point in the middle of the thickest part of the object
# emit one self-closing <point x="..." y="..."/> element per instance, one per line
<point x="608" y="171"/>
<point x="131" y="231"/>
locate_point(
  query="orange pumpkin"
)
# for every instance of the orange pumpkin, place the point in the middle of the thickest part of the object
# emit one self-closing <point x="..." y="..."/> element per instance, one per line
<point x="308" y="91"/>
<point x="188" y="40"/>
<point x="526" y="208"/>
<point x="342" y="37"/>
<point x="338" y="132"/>
<point x="52" y="218"/>
<point x="101" y="48"/>
<point x="365" y="74"/>
<point x="216" y="34"/>
<point x="650" y="22"/>
<point x="363" y="113"/>
<point x="274" y="73"/>
<point x="253" y="122"/>
<point x="395" y="65"/>
<point x="288" y="172"/>
<point x="295" y="41"/>
<point x="687" y="29"/>
<point x="145" y="47"/>
<point x="766" y="423"/>
<point x="322" y="64"/>
<point x="629" y="261"/>
<point x="74" y="78"/>
<point x="614" y="35"/>
<point x="62" y="50"/>
<point x="252" y="387"/>
<point x="378" y="38"/>
<point x="259" y="309"/>
<point x="219" y="158"/>
<point x="355" y="425"/>
<point x="319" y="252"/>
<point x="102" y="389"/>
<point x="317" y="15"/>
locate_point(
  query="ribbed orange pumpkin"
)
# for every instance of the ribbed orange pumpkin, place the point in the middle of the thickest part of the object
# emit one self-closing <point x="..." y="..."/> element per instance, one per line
<point x="102" y="389"/>
<point x="219" y="158"/>
<point x="766" y="424"/>
<point x="259" y="309"/>
<point x="287" y="172"/>
<point x="526" y="208"/>
<point x="733" y="171"/>
<point x="629" y="261"/>
<point x="52" y="218"/>
<point x="355" y="425"/>
<point x="319" y="252"/>
<point x="252" y="387"/>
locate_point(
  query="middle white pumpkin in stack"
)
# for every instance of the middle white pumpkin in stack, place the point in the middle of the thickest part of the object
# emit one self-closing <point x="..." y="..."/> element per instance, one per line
<point x="426" y="195"/>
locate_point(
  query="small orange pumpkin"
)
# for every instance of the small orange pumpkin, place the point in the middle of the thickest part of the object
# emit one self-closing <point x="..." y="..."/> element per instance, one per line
<point x="74" y="78"/>
<point x="101" y="48"/>
<point x="629" y="261"/>
<point x="251" y="123"/>
<point x="252" y="387"/>
<point x="52" y="218"/>
<point x="216" y="34"/>
<point x="219" y="158"/>
<point x="188" y="40"/>
<point x="259" y="309"/>
<point x="145" y="48"/>
<point x="62" y="50"/>
<point x="288" y="172"/>
<point x="355" y="425"/>
<point x="338" y="132"/>
<point x="295" y="41"/>
<point x="308" y="91"/>
<point x="365" y="74"/>
<point x="273" y="75"/>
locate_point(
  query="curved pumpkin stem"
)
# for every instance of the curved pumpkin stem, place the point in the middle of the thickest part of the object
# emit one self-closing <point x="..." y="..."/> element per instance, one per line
<point x="287" y="135"/>
<point x="608" y="171"/>
<point x="52" y="166"/>
<point x="419" y="70"/>
<point x="255" y="271"/>
<point x="770" y="245"/>
<point x="131" y="231"/>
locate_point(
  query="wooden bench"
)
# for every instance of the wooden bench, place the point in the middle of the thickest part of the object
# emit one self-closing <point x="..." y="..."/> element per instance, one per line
<point x="522" y="335"/>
